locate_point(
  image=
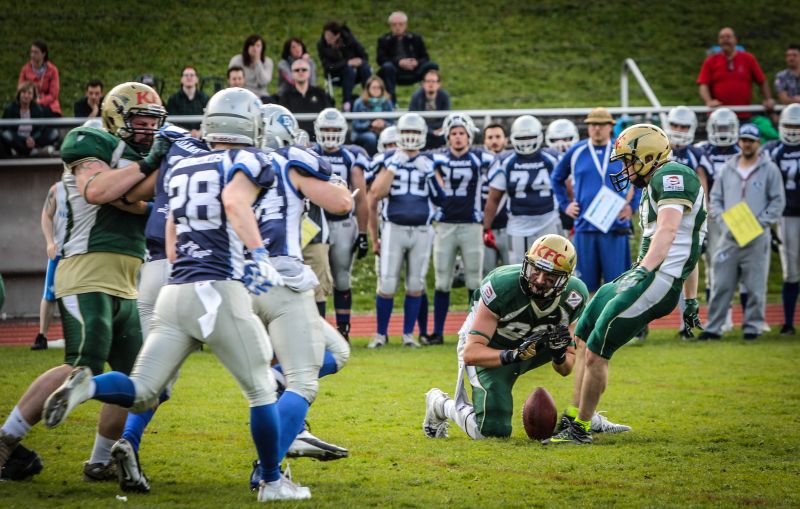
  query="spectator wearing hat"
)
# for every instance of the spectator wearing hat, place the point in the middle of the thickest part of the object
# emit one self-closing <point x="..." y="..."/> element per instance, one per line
<point x="603" y="255"/>
<point x="726" y="78"/>
<point x="750" y="177"/>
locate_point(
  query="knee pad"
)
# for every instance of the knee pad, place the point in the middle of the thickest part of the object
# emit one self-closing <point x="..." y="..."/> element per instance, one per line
<point x="415" y="286"/>
<point x="146" y="397"/>
<point x="341" y="280"/>
<point x="304" y="383"/>
<point x="388" y="285"/>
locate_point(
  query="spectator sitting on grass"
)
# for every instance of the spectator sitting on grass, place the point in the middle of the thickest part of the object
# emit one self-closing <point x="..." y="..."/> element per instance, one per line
<point x="374" y="98"/>
<point x="89" y="105"/>
<point x="26" y="139"/>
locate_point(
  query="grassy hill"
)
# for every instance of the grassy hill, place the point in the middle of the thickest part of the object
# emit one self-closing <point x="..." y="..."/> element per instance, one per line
<point x="493" y="54"/>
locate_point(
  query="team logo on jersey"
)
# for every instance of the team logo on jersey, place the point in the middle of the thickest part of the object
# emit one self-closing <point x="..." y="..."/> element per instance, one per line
<point x="574" y="299"/>
<point x="487" y="292"/>
<point x="673" y="183"/>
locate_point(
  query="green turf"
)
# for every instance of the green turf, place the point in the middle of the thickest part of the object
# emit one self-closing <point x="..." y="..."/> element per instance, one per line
<point x="715" y="424"/>
<point x="493" y="54"/>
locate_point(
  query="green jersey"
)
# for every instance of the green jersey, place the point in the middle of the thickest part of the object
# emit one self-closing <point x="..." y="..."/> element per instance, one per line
<point x="675" y="185"/>
<point x="98" y="228"/>
<point x="518" y="315"/>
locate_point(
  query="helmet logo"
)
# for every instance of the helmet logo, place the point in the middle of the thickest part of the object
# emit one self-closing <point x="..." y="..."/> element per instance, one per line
<point x="145" y="97"/>
<point x="548" y="253"/>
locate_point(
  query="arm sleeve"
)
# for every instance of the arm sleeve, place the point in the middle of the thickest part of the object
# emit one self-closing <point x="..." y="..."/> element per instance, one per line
<point x="497" y="176"/>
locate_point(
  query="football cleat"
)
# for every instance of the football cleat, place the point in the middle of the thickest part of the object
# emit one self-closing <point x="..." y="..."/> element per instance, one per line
<point x="573" y="434"/>
<point x="129" y="472"/>
<point x="7" y="446"/>
<point x="307" y="445"/>
<point x="378" y="341"/>
<point x="74" y="391"/>
<point x="408" y="340"/>
<point x="40" y="343"/>
<point x="601" y="424"/>
<point x="435" y="423"/>
<point x="435" y="339"/>
<point x="787" y="330"/>
<point x="22" y="464"/>
<point x="563" y="423"/>
<point x="282" y="489"/>
<point x="99" y="472"/>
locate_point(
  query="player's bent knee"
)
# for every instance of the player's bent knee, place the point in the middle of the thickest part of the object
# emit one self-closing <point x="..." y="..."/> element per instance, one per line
<point x="415" y="288"/>
<point x="303" y="385"/>
<point x="388" y="286"/>
<point x="146" y="397"/>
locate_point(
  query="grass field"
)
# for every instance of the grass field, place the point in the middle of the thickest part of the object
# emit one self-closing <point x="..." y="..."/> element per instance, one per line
<point x="493" y="54"/>
<point x="715" y="425"/>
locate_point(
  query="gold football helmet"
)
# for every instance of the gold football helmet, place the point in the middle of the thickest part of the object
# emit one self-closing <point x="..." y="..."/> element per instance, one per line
<point x="124" y="102"/>
<point x="646" y="147"/>
<point x="552" y="255"/>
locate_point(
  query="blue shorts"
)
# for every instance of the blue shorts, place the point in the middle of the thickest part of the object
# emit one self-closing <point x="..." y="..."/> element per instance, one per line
<point x="601" y="254"/>
<point x="50" y="280"/>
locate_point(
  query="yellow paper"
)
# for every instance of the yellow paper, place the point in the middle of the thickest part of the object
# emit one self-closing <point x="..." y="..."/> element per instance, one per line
<point x="743" y="224"/>
<point x="308" y="231"/>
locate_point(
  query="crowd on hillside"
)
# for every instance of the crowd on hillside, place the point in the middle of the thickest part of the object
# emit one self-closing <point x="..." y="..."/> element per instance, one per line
<point x="725" y="79"/>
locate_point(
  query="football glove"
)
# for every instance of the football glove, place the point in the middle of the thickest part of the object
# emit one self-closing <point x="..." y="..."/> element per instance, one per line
<point x="159" y="148"/>
<point x="489" y="240"/>
<point x="558" y="339"/>
<point x="361" y="247"/>
<point x="521" y="353"/>
<point x="259" y="274"/>
<point x="632" y="278"/>
<point x="690" y="317"/>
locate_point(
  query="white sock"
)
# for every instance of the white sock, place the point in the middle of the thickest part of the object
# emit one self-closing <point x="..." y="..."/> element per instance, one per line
<point x="101" y="453"/>
<point x="16" y="425"/>
<point x="464" y="417"/>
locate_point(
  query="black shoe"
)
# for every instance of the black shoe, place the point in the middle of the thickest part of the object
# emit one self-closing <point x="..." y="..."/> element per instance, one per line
<point x="435" y="339"/>
<point x="574" y="434"/>
<point x="705" y="335"/>
<point x="22" y="464"/>
<point x="750" y="336"/>
<point x="787" y="330"/>
<point x="563" y="423"/>
<point x="424" y="339"/>
<point x="344" y="330"/>
<point x="40" y="343"/>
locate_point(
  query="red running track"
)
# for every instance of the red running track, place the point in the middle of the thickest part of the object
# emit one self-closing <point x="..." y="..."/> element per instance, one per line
<point x="18" y="332"/>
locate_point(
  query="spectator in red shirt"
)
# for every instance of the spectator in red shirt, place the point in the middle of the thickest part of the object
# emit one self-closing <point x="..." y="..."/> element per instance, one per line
<point x="42" y="73"/>
<point x="726" y="78"/>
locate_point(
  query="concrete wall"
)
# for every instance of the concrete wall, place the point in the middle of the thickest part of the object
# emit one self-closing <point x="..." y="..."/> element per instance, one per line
<point x="23" y="257"/>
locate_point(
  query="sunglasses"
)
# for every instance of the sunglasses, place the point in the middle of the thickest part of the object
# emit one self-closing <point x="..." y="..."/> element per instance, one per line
<point x="299" y="70"/>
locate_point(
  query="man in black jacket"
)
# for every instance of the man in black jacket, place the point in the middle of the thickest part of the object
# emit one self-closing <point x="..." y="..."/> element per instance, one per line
<point x="303" y="97"/>
<point x="343" y="57"/>
<point x="89" y="105"/>
<point x="402" y="55"/>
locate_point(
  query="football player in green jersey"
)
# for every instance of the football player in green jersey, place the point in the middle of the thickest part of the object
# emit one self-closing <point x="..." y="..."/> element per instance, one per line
<point x="521" y="319"/>
<point x="672" y="217"/>
<point x="102" y="250"/>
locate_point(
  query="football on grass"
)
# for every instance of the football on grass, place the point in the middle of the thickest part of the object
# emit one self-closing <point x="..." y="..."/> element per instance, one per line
<point x="539" y="414"/>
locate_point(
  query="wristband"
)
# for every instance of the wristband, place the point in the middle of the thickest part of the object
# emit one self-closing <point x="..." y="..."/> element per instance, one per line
<point x="146" y="168"/>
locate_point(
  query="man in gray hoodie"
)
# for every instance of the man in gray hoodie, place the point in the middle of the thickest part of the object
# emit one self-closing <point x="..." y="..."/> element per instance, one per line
<point x="753" y="178"/>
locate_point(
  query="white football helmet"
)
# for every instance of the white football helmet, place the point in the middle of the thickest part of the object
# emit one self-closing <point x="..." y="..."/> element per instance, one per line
<point x="233" y="115"/>
<point x="412" y="131"/>
<point x="681" y="116"/>
<point x="723" y="128"/>
<point x="526" y="134"/>
<point x="561" y="134"/>
<point x="459" y="120"/>
<point x="388" y="137"/>
<point x="280" y="126"/>
<point x="789" y="125"/>
<point x="330" y="128"/>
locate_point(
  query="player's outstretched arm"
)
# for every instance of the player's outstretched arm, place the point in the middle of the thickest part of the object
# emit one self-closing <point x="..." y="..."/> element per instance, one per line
<point x="334" y="198"/>
<point x="98" y="184"/>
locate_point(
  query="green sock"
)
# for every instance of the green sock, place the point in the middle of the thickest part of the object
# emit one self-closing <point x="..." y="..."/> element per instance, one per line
<point x="571" y="412"/>
<point x="586" y="425"/>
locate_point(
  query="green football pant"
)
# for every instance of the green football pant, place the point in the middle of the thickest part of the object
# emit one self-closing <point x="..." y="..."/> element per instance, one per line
<point x="612" y="319"/>
<point x="99" y="328"/>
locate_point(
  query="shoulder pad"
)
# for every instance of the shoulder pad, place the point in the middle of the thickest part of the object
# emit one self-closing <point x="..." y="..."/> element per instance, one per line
<point x="174" y="132"/>
<point x="306" y="163"/>
<point x="87" y="142"/>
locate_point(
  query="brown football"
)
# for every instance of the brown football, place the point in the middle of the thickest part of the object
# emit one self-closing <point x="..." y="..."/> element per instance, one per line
<point x="539" y="414"/>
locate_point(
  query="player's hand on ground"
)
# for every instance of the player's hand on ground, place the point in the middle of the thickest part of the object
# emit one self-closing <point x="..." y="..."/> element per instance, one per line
<point x="259" y="274"/>
<point x="632" y="278"/>
<point x="361" y="246"/>
<point x="521" y="353"/>
<point x="489" y="240"/>
<point x="691" y="317"/>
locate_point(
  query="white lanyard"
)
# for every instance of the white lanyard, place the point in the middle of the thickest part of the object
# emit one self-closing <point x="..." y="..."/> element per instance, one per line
<point x="600" y="169"/>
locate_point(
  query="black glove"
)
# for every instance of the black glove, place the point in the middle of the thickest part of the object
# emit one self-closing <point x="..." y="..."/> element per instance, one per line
<point x="690" y="317"/>
<point x="558" y="340"/>
<point x="521" y="353"/>
<point x="159" y="148"/>
<point x="361" y="247"/>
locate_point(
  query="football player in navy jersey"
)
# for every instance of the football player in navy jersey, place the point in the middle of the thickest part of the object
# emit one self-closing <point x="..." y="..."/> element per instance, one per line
<point x="495" y="141"/>
<point x="787" y="156"/>
<point x="458" y="229"/>
<point x="406" y="185"/>
<point x="525" y="178"/>
<point x="210" y="228"/>
<point x="347" y="235"/>
<point x="723" y="135"/>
